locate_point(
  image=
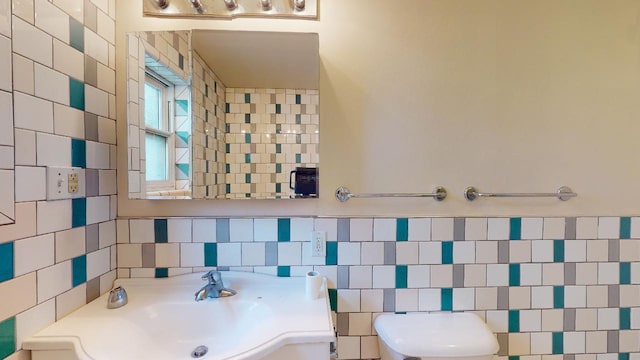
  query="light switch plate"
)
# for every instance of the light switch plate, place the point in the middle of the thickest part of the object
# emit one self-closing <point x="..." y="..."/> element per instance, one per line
<point x="65" y="183"/>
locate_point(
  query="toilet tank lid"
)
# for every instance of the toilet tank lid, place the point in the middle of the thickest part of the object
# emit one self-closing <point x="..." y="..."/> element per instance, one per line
<point x="436" y="334"/>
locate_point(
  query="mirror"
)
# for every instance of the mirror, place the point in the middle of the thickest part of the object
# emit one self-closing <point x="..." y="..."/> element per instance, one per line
<point x="218" y="114"/>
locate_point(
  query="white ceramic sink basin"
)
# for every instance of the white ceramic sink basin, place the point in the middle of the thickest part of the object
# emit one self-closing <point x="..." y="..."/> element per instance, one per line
<point x="269" y="318"/>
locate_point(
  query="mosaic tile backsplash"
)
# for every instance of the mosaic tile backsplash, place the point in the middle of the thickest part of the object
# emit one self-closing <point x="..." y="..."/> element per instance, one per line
<point x="552" y="288"/>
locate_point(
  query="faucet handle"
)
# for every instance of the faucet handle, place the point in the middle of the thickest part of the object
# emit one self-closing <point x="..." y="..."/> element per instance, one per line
<point x="213" y="277"/>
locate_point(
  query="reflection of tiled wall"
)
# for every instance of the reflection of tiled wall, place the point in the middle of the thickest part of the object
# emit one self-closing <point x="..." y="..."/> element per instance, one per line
<point x="551" y="288"/>
<point x="169" y="48"/>
<point x="60" y="58"/>
<point x="208" y="94"/>
<point x="183" y="134"/>
<point x="269" y="133"/>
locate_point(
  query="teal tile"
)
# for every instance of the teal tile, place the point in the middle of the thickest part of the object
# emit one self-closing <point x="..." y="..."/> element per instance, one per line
<point x="227" y="148"/>
<point x="513" y="357"/>
<point x="247" y="98"/>
<point x="76" y="94"/>
<point x="558" y="297"/>
<point x="332" y="253"/>
<point x="402" y="229"/>
<point x="78" y="212"/>
<point x="76" y="34"/>
<point x="182" y="107"/>
<point x="514" y="274"/>
<point x="446" y="299"/>
<point x="278" y="109"/>
<point x="79" y="270"/>
<point x="401" y="276"/>
<point x="210" y="254"/>
<point x="284" y="230"/>
<point x="227" y="168"/>
<point x="161" y="233"/>
<point x="78" y="153"/>
<point x="400" y="313"/>
<point x="184" y="168"/>
<point x="247" y="178"/>
<point x="247" y="118"/>
<point x="247" y="138"/>
<point x="7" y="337"/>
<point x="226" y="108"/>
<point x="227" y="188"/>
<point x="181" y="61"/>
<point x="278" y="188"/>
<point x="625" y="318"/>
<point x="278" y="148"/>
<point x="162" y="272"/>
<point x="625" y="273"/>
<point x="284" y="271"/>
<point x="6" y="261"/>
<point x="278" y="168"/>
<point x="514" y="321"/>
<point x="298" y="158"/>
<point x="298" y="99"/>
<point x="247" y="158"/>
<point x="447" y="252"/>
<point x="333" y="299"/>
<point x="623" y="356"/>
<point x="557" y="343"/>
<point x="515" y="228"/>
<point x="298" y="119"/>
<point x="558" y="250"/>
<point x="625" y="228"/>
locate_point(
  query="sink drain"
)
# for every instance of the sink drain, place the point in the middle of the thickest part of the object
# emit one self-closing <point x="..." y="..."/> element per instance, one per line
<point x="199" y="352"/>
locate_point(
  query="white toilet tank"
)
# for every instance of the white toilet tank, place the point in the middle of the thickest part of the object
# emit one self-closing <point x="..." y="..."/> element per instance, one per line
<point x="450" y="336"/>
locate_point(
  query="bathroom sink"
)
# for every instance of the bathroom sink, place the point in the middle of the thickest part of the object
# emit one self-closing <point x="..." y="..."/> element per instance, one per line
<point x="268" y="319"/>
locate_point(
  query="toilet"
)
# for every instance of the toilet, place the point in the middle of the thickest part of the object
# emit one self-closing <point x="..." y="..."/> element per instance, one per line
<point x="450" y="336"/>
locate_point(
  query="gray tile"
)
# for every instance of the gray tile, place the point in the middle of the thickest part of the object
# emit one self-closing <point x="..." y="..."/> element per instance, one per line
<point x="614" y="295"/>
<point x="343" y="277"/>
<point x="569" y="319"/>
<point x="344" y="230"/>
<point x="570" y="228"/>
<point x="389" y="253"/>
<point x="90" y="71"/>
<point x="569" y="357"/>
<point x="176" y="41"/>
<point x="92" y="182"/>
<point x="570" y="273"/>
<point x="503" y="298"/>
<point x="342" y="325"/>
<point x="614" y="250"/>
<point x="389" y="300"/>
<point x="503" y="342"/>
<point x="222" y="231"/>
<point x="613" y="341"/>
<point x="92" y="234"/>
<point x="151" y="39"/>
<point x="90" y="126"/>
<point x="90" y="16"/>
<point x="503" y="252"/>
<point x="93" y="289"/>
<point x="271" y="254"/>
<point x="458" y="275"/>
<point x="148" y="255"/>
<point x="458" y="229"/>
<point x="223" y="268"/>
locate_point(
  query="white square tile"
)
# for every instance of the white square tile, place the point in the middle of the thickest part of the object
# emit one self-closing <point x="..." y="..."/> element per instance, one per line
<point x="68" y="121"/>
<point x="497" y="274"/>
<point x="301" y="229"/>
<point x="98" y="155"/>
<point x="73" y="8"/>
<point x="609" y="228"/>
<point x="96" y="47"/>
<point x="519" y="344"/>
<point x="596" y="342"/>
<point x="361" y="230"/>
<point x="54" y="280"/>
<point x="108" y="182"/>
<point x="552" y="320"/>
<point x="30" y="183"/>
<point x="179" y="230"/>
<point x="486" y="298"/>
<point x="542" y="297"/>
<point x="107" y="234"/>
<point x="53" y="216"/>
<point x="191" y="255"/>
<point x="349" y="347"/>
<point x="574" y="342"/>
<point x="106" y="130"/>
<point x="586" y="319"/>
<point x="597" y="296"/>
<point x="498" y="321"/>
<point x="486" y="252"/>
<point x="530" y="320"/>
<point x="168" y="255"/>
<point x="406" y="299"/>
<point x="32" y="113"/>
<point x="586" y="273"/>
<point x="34" y="319"/>
<point x="429" y="299"/>
<point x="372" y="253"/>
<point x="11" y="304"/>
<point x="129" y="255"/>
<point x="406" y="252"/>
<point x="608" y="273"/>
<point x="531" y="228"/>
<point x="6" y="158"/>
<point x="289" y="253"/>
<point x="418" y="276"/>
<point x="586" y="228"/>
<point x="463" y="299"/>
<point x="554" y="228"/>
<point x="229" y="254"/>
<point x="442" y="229"/>
<point x="441" y="276"/>
<point x="369" y="347"/>
<point x="360" y="324"/>
<point x="360" y="277"/>
<point x="384" y="277"/>
<point x="464" y="252"/>
<point x="6" y="125"/>
<point x="52" y="20"/>
<point x="475" y="275"/>
<point x="597" y="250"/>
<point x="419" y="229"/>
<point x="430" y="252"/>
<point x="383" y="230"/>
<point x="122" y="231"/>
<point x="32" y="42"/>
<point x="635" y="227"/>
<point x="141" y="231"/>
<point x="241" y="230"/>
<point x="264" y="230"/>
<point x="542" y="250"/>
<point x="96" y="100"/>
<point x="519" y="297"/>
<point x="520" y="251"/>
<point x="541" y="343"/>
<point x="106" y="79"/>
<point x="98" y="263"/>
<point x="553" y="274"/>
<point x="475" y="229"/>
<point x="98" y="209"/>
<point x="70" y="244"/>
<point x="629" y="295"/>
<point x="5" y="64"/>
<point x="348" y="253"/>
<point x="23" y="9"/>
<point x="50" y="84"/>
<point x="348" y="300"/>
<point x="629" y="341"/>
<point x="33" y="254"/>
<point x="575" y="250"/>
<point x="53" y="150"/>
<point x="71" y="300"/>
<point x="530" y="274"/>
<point x="204" y="230"/>
<point x="307" y="259"/>
<point x="25" y="147"/>
<point x="498" y="228"/>
<point x="253" y="254"/>
<point x="575" y="296"/>
<point x="629" y="250"/>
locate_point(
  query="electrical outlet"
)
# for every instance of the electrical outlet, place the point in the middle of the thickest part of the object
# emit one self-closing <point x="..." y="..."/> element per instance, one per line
<point x="318" y="244"/>
<point x="65" y="183"/>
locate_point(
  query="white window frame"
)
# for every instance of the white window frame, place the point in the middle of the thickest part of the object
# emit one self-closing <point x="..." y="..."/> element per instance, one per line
<point x="166" y="130"/>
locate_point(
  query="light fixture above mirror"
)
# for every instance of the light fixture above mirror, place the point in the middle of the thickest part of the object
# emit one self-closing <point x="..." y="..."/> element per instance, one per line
<point x="297" y="9"/>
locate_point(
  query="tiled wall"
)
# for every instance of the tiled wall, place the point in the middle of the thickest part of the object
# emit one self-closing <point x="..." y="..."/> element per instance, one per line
<point x="269" y="133"/>
<point x="551" y="288"/>
<point x="7" y="211"/>
<point x="60" y="59"/>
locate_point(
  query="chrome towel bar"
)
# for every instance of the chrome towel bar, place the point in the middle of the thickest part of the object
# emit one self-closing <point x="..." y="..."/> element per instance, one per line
<point x="343" y="194"/>
<point x="564" y="193"/>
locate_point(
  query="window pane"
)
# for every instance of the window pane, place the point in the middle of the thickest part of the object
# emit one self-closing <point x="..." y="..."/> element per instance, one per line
<point x="152" y="98"/>
<point x="156" y="157"/>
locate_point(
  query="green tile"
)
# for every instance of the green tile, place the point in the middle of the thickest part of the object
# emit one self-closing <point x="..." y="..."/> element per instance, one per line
<point x="298" y="158"/>
<point x="278" y="168"/>
<point x="401" y="276"/>
<point x="515" y="226"/>
<point x="625" y="273"/>
<point x="181" y="61"/>
<point x="247" y="98"/>
<point x="227" y="168"/>
<point x="402" y="229"/>
<point x="513" y="357"/>
<point x="76" y="94"/>
<point x="514" y="274"/>
<point x="227" y="148"/>
<point x="623" y="356"/>
<point x="278" y="188"/>
<point x="625" y="228"/>
<point x="227" y="188"/>
<point x="162" y="272"/>
<point x="247" y="138"/>
<point x="184" y="168"/>
<point x="247" y="158"/>
<point x="78" y="212"/>
<point x="625" y="318"/>
<point x="558" y="297"/>
<point x="182" y="107"/>
<point x="226" y="108"/>
<point x="210" y="254"/>
<point x="6" y="261"/>
<point x="332" y="253"/>
<point x="557" y="343"/>
<point x="160" y="230"/>
<point x="247" y="178"/>
<point x="78" y="153"/>
<point x="183" y="135"/>
<point x="247" y="118"/>
<point x="514" y="321"/>
<point x="284" y="230"/>
<point x="76" y="34"/>
<point x="333" y="299"/>
<point x="278" y="109"/>
<point x="79" y="270"/>
<point x="284" y="271"/>
<point x="447" y="252"/>
<point x="446" y="299"/>
<point x="558" y="250"/>
<point x="298" y="99"/>
<point x="7" y="337"/>
<point x="278" y="148"/>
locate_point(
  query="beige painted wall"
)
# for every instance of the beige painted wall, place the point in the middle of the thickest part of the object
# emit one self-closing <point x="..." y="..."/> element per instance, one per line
<point x="509" y="96"/>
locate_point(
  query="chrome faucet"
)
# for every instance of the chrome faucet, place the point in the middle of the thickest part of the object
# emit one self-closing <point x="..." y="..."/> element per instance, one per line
<point x="215" y="288"/>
